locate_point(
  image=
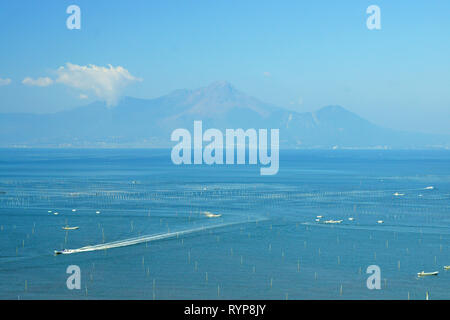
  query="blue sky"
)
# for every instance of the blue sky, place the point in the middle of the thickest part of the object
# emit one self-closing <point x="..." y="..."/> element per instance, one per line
<point x="300" y="55"/>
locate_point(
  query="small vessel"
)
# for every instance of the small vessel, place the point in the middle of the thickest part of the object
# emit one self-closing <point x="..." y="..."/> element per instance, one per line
<point x="319" y="217"/>
<point x="70" y="228"/>
<point x="211" y="215"/>
<point x="333" y="221"/>
<point x="74" y="210"/>
<point x="55" y="213"/>
<point x="380" y="221"/>
<point x="398" y="194"/>
<point x="429" y="188"/>
<point x="65" y="251"/>
<point x="317" y="220"/>
<point x="351" y="218"/>
<point x="97" y="212"/>
<point x="424" y="274"/>
<point x="446" y="267"/>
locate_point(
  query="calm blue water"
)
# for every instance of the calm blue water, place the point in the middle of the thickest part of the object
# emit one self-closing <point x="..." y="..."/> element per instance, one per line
<point x="266" y="244"/>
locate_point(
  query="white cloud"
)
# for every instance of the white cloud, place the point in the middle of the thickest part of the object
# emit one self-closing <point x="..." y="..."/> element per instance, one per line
<point x="39" y="82"/>
<point x="4" y="82"/>
<point x="107" y="83"/>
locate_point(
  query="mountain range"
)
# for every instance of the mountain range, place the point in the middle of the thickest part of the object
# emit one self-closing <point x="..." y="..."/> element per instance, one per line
<point x="149" y="123"/>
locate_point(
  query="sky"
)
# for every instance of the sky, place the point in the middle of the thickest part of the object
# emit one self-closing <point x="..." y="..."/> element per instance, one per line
<point x="300" y="55"/>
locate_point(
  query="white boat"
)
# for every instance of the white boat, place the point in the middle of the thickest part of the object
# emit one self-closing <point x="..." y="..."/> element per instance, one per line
<point x="398" y="194"/>
<point x="97" y="212"/>
<point x="380" y="221"/>
<point x="211" y="215"/>
<point x="70" y="228"/>
<point x="429" y="188"/>
<point x="446" y="267"/>
<point x="351" y="219"/>
<point x="333" y="221"/>
<point x="65" y="251"/>
<point x="55" y="213"/>
<point x="424" y="274"/>
<point x="317" y="220"/>
<point x="319" y="217"/>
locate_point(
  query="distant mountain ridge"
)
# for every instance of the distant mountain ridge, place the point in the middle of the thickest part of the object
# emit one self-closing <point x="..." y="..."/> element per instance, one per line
<point x="149" y="123"/>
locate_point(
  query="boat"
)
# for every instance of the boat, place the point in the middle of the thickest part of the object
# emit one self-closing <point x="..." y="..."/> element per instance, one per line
<point x="70" y="228"/>
<point x="333" y="221"/>
<point x="424" y="274"/>
<point x="380" y="221"/>
<point x="398" y="194"/>
<point x="319" y="217"/>
<point x="65" y="251"/>
<point x="211" y="215"/>
<point x="446" y="267"/>
<point x="429" y="188"/>
<point x="351" y="218"/>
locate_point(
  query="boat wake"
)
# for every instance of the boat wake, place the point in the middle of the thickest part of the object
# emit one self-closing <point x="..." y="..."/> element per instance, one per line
<point x="149" y="238"/>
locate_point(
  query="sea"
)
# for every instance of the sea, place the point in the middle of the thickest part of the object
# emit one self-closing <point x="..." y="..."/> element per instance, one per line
<point x="145" y="228"/>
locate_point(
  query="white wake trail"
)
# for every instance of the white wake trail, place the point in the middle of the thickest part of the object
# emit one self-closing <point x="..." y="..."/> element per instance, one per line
<point x="148" y="238"/>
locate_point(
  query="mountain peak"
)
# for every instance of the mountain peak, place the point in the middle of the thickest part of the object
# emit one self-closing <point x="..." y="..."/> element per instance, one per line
<point x="215" y="100"/>
<point x="220" y="88"/>
<point x="221" y="85"/>
<point x="337" y="116"/>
